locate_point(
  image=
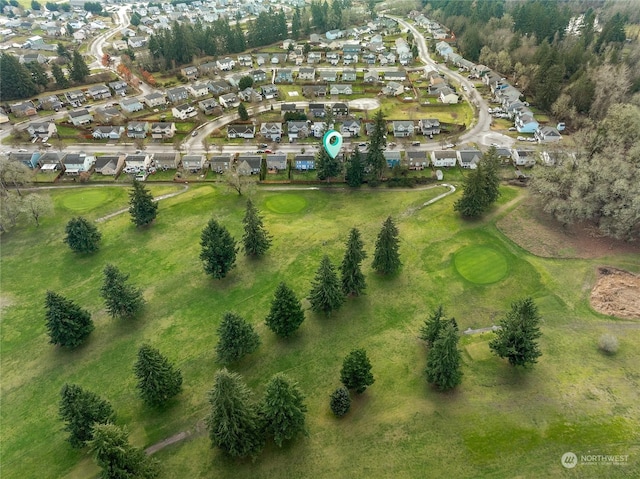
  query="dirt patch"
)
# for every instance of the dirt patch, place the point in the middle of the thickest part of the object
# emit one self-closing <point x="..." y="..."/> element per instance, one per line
<point x="536" y="231"/>
<point x="616" y="293"/>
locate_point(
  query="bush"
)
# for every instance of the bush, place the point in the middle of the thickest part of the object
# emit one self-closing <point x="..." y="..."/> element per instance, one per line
<point x="608" y="344"/>
<point x="340" y="401"/>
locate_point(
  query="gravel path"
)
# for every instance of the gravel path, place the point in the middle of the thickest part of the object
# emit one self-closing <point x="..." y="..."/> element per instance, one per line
<point x="157" y="198"/>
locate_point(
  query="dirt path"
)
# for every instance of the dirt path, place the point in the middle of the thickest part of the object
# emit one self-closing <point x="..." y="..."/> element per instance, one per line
<point x="157" y="198"/>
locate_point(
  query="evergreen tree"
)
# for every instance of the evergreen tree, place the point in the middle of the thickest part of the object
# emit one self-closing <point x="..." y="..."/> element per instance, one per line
<point x="326" y="166"/>
<point x="81" y="410"/>
<point x="353" y="282"/>
<point x="82" y="235"/>
<point x="233" y="423"/>
<point x="242" y="112"/>
<point x="63" y="52"/>
<point x="340" y="401"/>
<point x="386" y="259"/>
<point x="58" y="74"/>
<point x="122" y="300"/>
<point x="15" y="79"/>
<point x="432" y="326"/>
<point x="443" y="361"/>
<point x="355" y="169"/>
<point x="519" y="331"/>
<point x="67" y="323"/>
<point x="158" y="380"/>
<point x="489" y="166"/>
<point x="117" y="458"/>
<point x="79" y="69"/>
<point x="283" y="409"/>
<point x="377" y="144"/>
<point x="38" y="74"/>
<point x="142" y="208"/>
<point x="218" y="250"/>
<point x="256" y="240"/>
<point x="356" y="371"/>
<point x="326" y="293"/>
<point x="286" y="314"/>
<point x="244" y="83"/>
<point x="236" y="338"/>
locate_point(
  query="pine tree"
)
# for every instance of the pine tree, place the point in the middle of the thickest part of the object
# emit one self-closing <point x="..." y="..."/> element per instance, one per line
<point x="233" y="423"/>
<point x="286" y="314"/>
<point x="355" y="169"/>
<point x="326" y="166"/>
<point x="158" y="380"/>
<point x="432" y="326"/>
<point x="79" y="69"/>
<point x="517" y="337"/>
<point x="236" y="338"/>
<point x="142" y="208"/>
<point x="353" y="282"/>
<point x="15" y="79"/>
<point x="122" y="300"/>
<point x="386" y="259"/>
<point x="256" y="239"/>
<point x="81" y="410"/>
<point x="377" y="144"/>
<point x="474" y="197"/>
<point x="58" y="74"/>
<point x="340" y="401"/>
<point x="356" y="371"/>
<point x="67" y="323"/>
<point x="326" y="292"/>
<point x="242" y="112"/>
<point x="117" y="458"/>
<point x="82" y="236"/>
<point x="283" y="409"/>
<point x="489" y="166"/>
<point x="218" y="250"/>
<point x="38" y="74"/>
<point x="443" y="361"/>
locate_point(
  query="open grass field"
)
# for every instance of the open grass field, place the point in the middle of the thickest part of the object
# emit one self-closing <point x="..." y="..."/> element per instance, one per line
<point x="500" y="422"/>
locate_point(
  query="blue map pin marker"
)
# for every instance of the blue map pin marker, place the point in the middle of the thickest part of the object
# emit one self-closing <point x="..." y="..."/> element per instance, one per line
<point x="332" y="142"/>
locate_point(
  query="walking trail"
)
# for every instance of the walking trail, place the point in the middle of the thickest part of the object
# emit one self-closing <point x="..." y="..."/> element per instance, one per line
<point x="157" y="198"/>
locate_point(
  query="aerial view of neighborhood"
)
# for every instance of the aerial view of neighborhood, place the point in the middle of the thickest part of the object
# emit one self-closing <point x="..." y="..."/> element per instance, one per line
<point x="319" y="239"/>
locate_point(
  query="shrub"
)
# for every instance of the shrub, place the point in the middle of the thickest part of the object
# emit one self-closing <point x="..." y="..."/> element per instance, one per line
<point x="340" y="401"/>
<point x="608" y="344"/>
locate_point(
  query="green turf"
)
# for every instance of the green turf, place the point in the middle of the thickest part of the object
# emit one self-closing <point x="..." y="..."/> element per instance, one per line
<point x="499" y="423"/>
<point x="85" y="199"/>
<point x="481" y="264"/>
<point x="285" y="203"/>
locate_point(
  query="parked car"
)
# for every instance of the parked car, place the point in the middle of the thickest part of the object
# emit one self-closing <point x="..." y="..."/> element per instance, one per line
<point x="362" y="145"/>
<point x="521" y="138"/>
<point x="263" y="145"/>
<point x="268" y="151"/>
<point x="449" y="145"/>
<point x="194" y="133"/>
<point x="260" y="151"/>
<point x="22" y="150"/>
<point x="513" y="128"/>
<point x="415" y="143"/>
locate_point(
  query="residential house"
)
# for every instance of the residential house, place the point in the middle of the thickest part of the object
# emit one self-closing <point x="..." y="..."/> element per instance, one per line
<point x="284" y="75"/>
<point x="198" y="90"/>
<point x="392" y="157"/>
<point x="444" y="49"/>
<point x="209" y="67"/>
<point x="249" y="95"/>
<point x="242" y="130"/>
<point x="305" y="162"/>
<point x="220" y="163"/>
<point x="136" y="42"/>
<point x="219" y="87"/>
<point x="137" y="162"/>
<point x="469" y="158"/>
<point x="190" y="72"/>
<point x="269" y="92"/>
<point x="166" y="161"/>
<point x="137" y="129"/>
<point x="297" y="130"/>
<point x="30" y="160"/>
<point x="526" y="123"/>
<point x="107" y="165"/>
<point x="444" y="158"/>
<point x="547" y="134"/>
<point x="258" y="76"/>
<point x="51" y="102"/>
<point x="318" y="129"/>
<point x="119" y="87"/>
<point x="184" y="111"/>
<point x="349" y="74"/>
<point x="317" y="110"/>
<point x="276" y="162"/>
<point x="26" y="108"/>
<point x="341" y="89"/>
<point x="210" y="107"/>
<point x="333" y="58"/>
<point x="42" y="130"/>
<point x="393" y="89"/>
<point x="369" y="58"/>
<point x="312" y="91"/>
<point x="75" y="98"/>
<point x="307" y="73"/>
<point x="249" y="164"/>
<point x="226" y="64"/>
<point x="245" y="61"/>
<point x="155" y="99"/>
<point x="429" y="126"/>
<point x="417" y="160"/>
<point x="80" y="117"/>
<point x="131" y="105"/>
<point x="314" y="57"/>
<point x="271" y="131"/>
<point x="262" y="58"/>
<point x="387" y="58"/>
<point x="178" y="94"/>
<point x="229" y="100"/>
<point x="403" y="129"/>
<point x="76" y="163"/>
<point x="399" y="75"/>
<point x="51" y="161"/>
<point x="193" y="163"/>
<point x="163" y="130"/>
<point x="107" y="132"/>
<point x="350" y="128"/>
<point x="371" y="77"/>
<point x="340" y="110"/>
<point x="448" y="96"/>
<point x="328" y="75"/>
<point x="291" y="108"/>
<point x="524" y="157"/>
<point x="99" y="92"/>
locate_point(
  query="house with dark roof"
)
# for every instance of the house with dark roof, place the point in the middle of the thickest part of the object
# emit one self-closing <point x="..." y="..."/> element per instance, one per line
<point x="276" y="162"/>
<point x="80" y="117"/>
<point x="177" y="94"/>
<point x="417" y="160"/>
<point x="297" y="130"/>
<point x="305" y="162"/>
<point x="99" y="92"/>
<point x="163" y="130"/>
<point x="137" y="129"/>
<point x="242" y="130"/>
<point x="271" y="131"/>
<point x="220" y="163"/>
<point x="44" y="129"/>
<point x="340" y="109"/>
<point x="107" y="165"/>
<point x="193" y="163"/>
<point x="469" y="158"/>
<point x="107" y="132"/>
<point x="249" y="164"/>
<point x="403" y="128"/>
<point x="155" y="99"/>
<point x="317" y="110"/>
<point x="166" y="161"/>
<point x="444" y="158"/>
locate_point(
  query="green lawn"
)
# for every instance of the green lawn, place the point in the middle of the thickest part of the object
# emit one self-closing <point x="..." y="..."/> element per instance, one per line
<point x="499" y="423"/>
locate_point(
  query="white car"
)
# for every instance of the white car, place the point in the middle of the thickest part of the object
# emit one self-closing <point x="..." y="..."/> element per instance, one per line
<point x="449" y="145"/>
<point x="521" y="138"/>
<point x="22" y="150"/>
<point x="513" y="128"/>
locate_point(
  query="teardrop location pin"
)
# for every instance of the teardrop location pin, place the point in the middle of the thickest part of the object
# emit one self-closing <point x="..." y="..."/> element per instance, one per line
<point x="332" y="142"/>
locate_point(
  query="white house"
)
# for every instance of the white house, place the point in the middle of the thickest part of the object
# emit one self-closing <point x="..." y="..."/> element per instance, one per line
<point x="184" y="111"/>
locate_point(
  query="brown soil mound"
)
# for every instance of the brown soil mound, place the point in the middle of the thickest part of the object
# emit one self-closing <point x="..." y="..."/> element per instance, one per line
<point x="617" y="293"/>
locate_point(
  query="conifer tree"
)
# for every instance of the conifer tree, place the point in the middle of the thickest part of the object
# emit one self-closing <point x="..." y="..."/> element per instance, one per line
<point x="386" y="259"/>
<point x="233" y="423"/>
<point x="283" y="409"/>
<point x="519" y="331"/>
<point x="82" y="235"/>
<point x="117" y="458"/>
<point x="81" y="410"/>
<point x="123" y="300"/>
<point x="236" y="338"/>
<point x="353" y="282"/>
<point x="218" y="250"/>
<point x="256" y="239"/>
<point x="15" y="79"/>
<point x="286" y="314"/>
<point x="378" y="143"/>
<point x="79" y="69"/>
<point x="326" y="292"/>
<point x="356" y="371"/>
<point x="432" y="326"/>
<point x="355" y="169"/>
<point x="443" y="361"/>
<point x="58" y="75"/>
<point x="158" y="380"/>
<point x="67" y="323"/>
<point x="142" y="208"/>
<point x="242" y="112"/>
<point x="340" y="401"/>
<point x="327" y="167"/>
